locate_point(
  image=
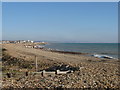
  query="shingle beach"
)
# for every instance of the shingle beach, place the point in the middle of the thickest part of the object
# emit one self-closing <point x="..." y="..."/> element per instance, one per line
<point x="19" y="67"/>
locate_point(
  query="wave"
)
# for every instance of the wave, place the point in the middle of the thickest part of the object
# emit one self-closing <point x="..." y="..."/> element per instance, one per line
<point x="110" y="53"/>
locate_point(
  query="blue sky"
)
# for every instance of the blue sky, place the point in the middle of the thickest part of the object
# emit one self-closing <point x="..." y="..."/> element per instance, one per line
<point x="62" y="22"/>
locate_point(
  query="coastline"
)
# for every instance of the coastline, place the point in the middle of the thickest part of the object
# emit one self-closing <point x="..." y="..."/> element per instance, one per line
<point x="97" y="72"/>
<point x="109" y="49"/>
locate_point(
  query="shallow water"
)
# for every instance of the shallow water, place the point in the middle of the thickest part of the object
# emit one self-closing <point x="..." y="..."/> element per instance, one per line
<point x="110" y="49"/>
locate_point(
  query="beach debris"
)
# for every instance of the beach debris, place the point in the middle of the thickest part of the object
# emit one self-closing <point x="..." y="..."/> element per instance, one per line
<point x="61" y="69"/>
<point x="39" y="46"/>
<point x="34" y="46"/>
<point x="63" y="72"/>
<point x="102" y="56"/>
<point x="48" y="73"/>
<point x="29" y="46"/>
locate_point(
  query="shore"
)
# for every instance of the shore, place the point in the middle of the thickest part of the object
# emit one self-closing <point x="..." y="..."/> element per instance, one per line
<point x="93" y="72"/>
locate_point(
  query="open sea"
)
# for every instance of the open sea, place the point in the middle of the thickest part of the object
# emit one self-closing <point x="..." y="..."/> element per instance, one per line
<point x="110" y="49"/>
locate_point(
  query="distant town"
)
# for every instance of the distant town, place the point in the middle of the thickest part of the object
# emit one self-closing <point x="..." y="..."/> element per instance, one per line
<point x="20" y="41"/>
<point x="27" y="43"/>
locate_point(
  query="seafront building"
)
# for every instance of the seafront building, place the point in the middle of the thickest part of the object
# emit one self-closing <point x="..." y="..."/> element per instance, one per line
<point x="27" y="43"/>
<point x="5" y="41"/>
<point x="17" y="41"/>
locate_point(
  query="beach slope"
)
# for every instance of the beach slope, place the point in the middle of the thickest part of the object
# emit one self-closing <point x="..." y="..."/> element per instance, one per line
<point x="93" y="72"/>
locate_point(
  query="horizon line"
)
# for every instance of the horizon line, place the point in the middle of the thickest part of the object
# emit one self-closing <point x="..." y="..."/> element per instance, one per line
<point x="58" y="41"/>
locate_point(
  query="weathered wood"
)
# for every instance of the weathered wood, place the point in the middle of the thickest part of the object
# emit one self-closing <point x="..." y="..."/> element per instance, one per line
<point x="36" y="65"/>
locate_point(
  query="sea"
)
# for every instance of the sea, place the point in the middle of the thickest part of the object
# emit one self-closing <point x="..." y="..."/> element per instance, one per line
<point x="110" y="49"/>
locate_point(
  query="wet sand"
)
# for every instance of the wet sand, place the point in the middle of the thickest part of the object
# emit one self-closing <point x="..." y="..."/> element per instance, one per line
<point x="93" y="73"/>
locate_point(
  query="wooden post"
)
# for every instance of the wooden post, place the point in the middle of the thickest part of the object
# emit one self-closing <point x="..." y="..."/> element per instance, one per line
<point x="26" y="73"/>
<point x="8" y="75"/>
<point x="36" y="63"/>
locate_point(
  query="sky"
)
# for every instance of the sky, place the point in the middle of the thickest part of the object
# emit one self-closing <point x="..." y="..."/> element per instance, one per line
<point x="0" y="21"/>
<point x="60" y="21"/>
